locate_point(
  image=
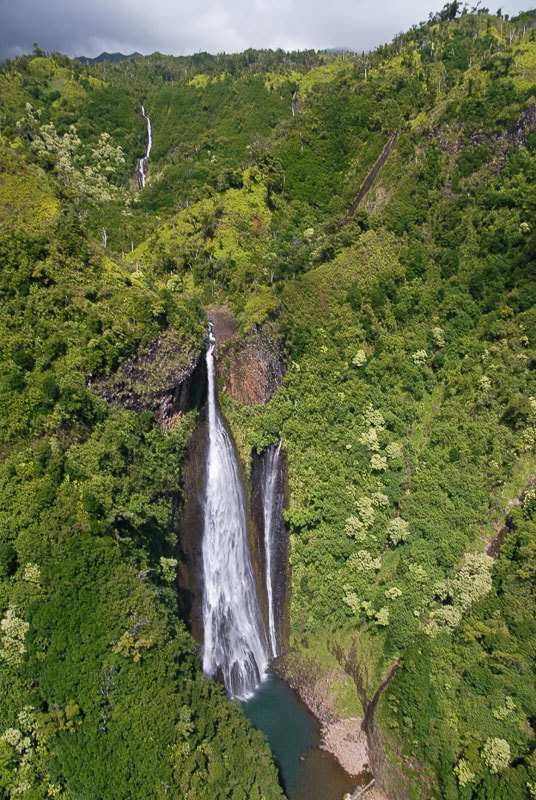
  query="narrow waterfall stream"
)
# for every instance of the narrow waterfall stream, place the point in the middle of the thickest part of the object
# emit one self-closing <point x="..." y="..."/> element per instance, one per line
<point x="234" y="638"/>
<point x="270" y="510"/>
<point x="142" y="171"/>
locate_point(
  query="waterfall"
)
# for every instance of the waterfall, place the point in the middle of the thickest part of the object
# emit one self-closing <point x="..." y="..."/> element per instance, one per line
<point x="234" y="639"/>
<point x="271" y="473"/>
<point x="142" y="172"/>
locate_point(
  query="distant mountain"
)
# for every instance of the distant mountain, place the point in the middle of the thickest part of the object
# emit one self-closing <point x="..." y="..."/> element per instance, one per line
<point x="116" y="57"/>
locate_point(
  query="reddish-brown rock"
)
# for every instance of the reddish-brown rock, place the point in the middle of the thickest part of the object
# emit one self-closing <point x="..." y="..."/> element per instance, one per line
<point x="249" y="367"/>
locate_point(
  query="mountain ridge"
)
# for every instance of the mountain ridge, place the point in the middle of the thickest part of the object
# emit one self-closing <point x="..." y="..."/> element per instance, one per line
<point x="104" y="56"/>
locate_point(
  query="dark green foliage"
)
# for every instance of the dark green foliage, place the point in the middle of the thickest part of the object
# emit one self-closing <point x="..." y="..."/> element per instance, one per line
<point x="471" y="159"/>
<point x="8" y="560"/>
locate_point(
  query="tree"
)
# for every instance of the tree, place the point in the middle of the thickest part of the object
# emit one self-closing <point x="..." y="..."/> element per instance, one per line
<point x="496" y="754"/>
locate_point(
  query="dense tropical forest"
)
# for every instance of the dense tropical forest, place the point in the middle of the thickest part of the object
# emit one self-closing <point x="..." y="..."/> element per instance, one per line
<point x="407" y="411"/>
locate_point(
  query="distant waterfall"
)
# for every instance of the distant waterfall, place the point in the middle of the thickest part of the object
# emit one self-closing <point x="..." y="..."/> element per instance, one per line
<point x="142" y="171"/>
<point x="233" y="629"/>
<point x="270" y="512"/>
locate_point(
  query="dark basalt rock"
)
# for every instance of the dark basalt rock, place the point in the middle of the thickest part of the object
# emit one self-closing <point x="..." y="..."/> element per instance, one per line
<point x="518" y="132"/>
<point x="501" y="145"/>
<point x="191" y="523"/>
<point x="166" y="378"/>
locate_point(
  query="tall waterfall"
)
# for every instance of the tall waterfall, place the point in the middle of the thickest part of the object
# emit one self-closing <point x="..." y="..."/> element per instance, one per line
<point x="271" y="473"/>
<point x="142" y="171"/>
<point x="234" y="639"/>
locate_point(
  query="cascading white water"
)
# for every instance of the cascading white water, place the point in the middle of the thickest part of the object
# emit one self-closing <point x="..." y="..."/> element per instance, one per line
<point x="234" y="639"/>
<point x="142" y="170"/>
<point x="268" y="501"/>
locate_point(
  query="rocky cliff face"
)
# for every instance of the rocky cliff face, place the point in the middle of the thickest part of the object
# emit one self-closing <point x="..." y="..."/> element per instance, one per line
<point x="191" y="523"/>
<point x="166" y="377"/>
<point x="252" y="368"/>
<point x="249" y="367"/>
<point x="501" y="145"/>
<point x="519" y="132"/>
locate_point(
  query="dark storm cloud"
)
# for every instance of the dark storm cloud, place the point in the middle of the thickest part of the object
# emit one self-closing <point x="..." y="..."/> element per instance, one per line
<point x="180" y="27"/>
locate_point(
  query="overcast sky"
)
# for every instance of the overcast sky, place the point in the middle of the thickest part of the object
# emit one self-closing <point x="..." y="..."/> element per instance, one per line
<point x="182" y="27"/>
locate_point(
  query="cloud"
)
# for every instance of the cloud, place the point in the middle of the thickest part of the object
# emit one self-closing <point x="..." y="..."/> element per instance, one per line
<point x="179" y="27"/>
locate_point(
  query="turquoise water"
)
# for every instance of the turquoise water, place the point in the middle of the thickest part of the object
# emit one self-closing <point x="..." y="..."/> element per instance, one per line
<point x="306" y="772"/>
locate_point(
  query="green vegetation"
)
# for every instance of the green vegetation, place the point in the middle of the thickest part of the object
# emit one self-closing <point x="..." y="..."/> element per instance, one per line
<point x="408" y="411"/>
